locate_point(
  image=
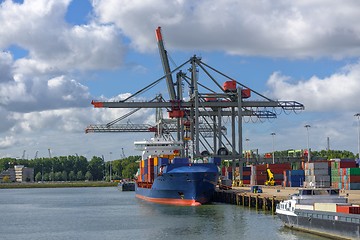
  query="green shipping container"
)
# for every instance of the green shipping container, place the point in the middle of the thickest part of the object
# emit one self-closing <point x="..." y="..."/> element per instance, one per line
<point x="354" y="171"/>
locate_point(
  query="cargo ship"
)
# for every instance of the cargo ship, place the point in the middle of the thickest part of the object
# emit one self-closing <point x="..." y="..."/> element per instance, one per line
<point x="165" y="177"/>
<point x="321" y="211"/>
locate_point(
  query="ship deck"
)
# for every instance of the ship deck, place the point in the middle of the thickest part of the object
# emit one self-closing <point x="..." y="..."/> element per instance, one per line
<point x="282" y="193"/>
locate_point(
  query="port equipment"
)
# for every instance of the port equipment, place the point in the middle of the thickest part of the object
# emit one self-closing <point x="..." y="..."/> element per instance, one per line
<point x="256" y="189"/>
<point x="270" y="178"/>
<point x="197" y="119"/>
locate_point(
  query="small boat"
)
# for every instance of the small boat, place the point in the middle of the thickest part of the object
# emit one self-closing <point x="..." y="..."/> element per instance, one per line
<point x="165" y="177"/>
<point x="126" y="186"/>
<point x="321" y="211"/>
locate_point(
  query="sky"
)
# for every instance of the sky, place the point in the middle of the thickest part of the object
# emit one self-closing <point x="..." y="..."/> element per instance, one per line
<point x="58" y="55"/>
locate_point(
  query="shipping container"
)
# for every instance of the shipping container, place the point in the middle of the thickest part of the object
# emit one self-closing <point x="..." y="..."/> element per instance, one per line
<point x="348" y="209"/>
<point x="327" y="207"/>
<point x="178" y="160"/>
<point x="163" y="161"/>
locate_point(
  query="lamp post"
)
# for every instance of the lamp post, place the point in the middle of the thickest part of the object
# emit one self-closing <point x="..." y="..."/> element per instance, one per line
<point x="358" y="117"/>
<point x="307" y="129"/>
<point x="273" y="143"/>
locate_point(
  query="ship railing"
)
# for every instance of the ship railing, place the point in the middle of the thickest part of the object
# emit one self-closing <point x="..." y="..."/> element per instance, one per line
<point x="333" y="216"/>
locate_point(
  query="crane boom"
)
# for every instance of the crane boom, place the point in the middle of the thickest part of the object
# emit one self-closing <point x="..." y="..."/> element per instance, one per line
<point x="165" y="63"/>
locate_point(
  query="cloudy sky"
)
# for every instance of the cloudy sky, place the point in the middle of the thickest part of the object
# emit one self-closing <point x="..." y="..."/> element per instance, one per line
<point x="58" y="55"/>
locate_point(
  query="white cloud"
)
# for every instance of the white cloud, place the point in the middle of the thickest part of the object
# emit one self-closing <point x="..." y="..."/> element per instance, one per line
<point x="338" y="92"/>
<point x="7" y="142"/>
<point x="44" y="103"/>
<point x="294" y="29"/>
<point x="56" y="50"/>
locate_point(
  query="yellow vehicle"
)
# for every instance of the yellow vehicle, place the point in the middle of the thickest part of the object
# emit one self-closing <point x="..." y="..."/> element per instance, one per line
<point x="270" y="178"/>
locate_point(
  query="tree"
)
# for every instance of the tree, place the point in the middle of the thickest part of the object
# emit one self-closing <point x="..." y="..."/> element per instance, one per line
<point x="96" y="166"/>
<point x="130" y="170"/>
<point x="79" y="176"/>
<point x="88" y="176"/>
<point x="72" y="176"/>
<point x="51" y="176"/>
<point x="38" y="177"/>
<point x="46" y="177"/>
<point x="58" y="176"/>
<point x="64" y="176"/>
<point x="117" y="168"/>
<point x="6" y="179"/>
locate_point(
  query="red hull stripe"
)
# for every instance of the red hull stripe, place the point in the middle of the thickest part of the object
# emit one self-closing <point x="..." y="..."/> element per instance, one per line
<point x="179" y="202"/>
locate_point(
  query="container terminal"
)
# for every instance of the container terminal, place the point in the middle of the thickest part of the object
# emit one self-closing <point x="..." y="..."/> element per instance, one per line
<point x="196" y="120"/>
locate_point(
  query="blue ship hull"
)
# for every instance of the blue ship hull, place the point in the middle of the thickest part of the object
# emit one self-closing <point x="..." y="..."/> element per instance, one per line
<point x="181" y="184"/>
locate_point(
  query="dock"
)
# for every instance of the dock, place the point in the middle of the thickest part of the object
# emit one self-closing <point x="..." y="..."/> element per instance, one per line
<point x="269" y="198"/>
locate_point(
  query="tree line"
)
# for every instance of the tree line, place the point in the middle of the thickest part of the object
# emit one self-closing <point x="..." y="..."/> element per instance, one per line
<point x="76" y="168"/>
<point x="324" y="154"/>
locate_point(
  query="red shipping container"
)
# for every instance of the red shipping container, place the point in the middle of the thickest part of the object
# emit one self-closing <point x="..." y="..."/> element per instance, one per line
<point x="348" y="209"/>
<point x="262" y="167"/>
<point x="223" y="170"/>
<point x="354" y="179"/>
<point x="347" y="164"/>
<point x="285" y="166"/>
<point x="246" y="181"/>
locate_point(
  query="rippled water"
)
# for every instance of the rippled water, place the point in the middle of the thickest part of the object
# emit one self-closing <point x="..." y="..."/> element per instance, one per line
<point x="106" y="213"/>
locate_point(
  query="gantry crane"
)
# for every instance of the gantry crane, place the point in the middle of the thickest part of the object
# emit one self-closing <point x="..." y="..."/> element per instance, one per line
<point x="204" y="108"/>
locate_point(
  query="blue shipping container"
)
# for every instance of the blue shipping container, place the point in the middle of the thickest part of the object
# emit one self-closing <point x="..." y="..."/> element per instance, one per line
<point x="180" y="160"/>
<point x="163" y="161"/>
<point x="297" y="172"/>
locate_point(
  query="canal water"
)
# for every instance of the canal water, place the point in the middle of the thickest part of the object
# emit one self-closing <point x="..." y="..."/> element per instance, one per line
<point x="106" y="213"/>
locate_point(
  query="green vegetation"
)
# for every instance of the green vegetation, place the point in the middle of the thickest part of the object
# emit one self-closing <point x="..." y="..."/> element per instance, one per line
<point x="76" y="168"/>
<point x="325" y="154"/>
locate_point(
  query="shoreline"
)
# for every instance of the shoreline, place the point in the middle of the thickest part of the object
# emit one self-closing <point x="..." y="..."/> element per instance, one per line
<point x="57" y="185"/>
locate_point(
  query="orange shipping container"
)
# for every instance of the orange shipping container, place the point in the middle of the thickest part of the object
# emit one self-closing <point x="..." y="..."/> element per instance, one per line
<point x="348" y="209"/>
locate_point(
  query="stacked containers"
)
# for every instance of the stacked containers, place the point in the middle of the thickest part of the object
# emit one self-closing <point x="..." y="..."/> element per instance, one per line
<point x="156" y="167"/>
<point x="145" y="170"/>
<point x="345" y="175"/>
<point x="278" y="171"/>
<point x="258" y="174"/>
<point x="163" y="161"/>
<point x="141" y="171"/>
<point x="245" y="177"/>
<point x="335" y="174"/>
<point x="317" y="174"/>
<point x="293" y="178"/>
<point x="350" y="178"/>
<point x="229" y="173"/>
<point x="223" y="171"/>
<point x="226" y="172"/>
<point x="150" y="176"/>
